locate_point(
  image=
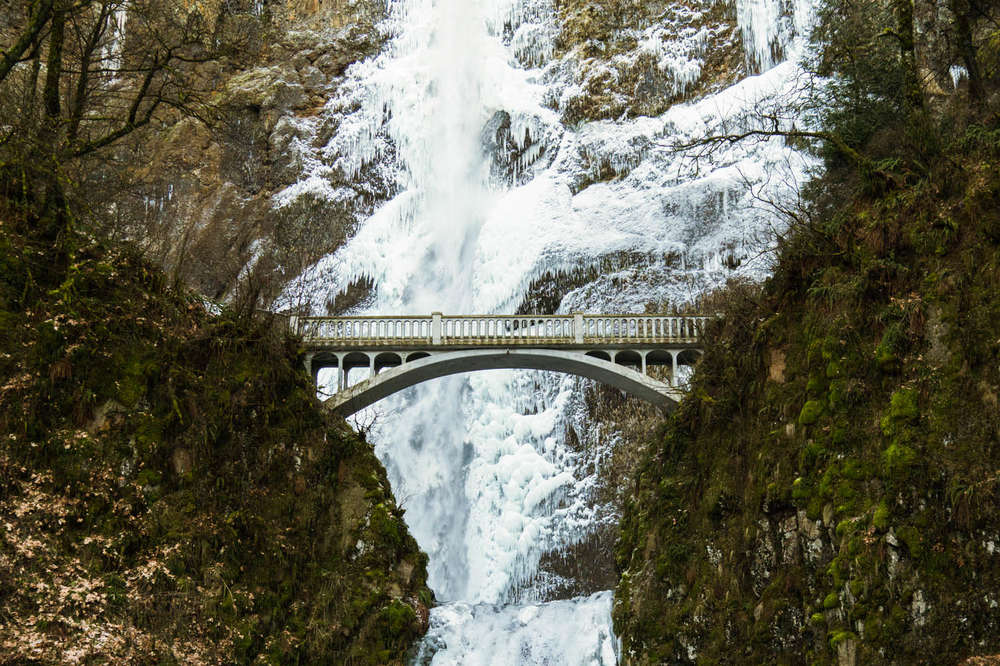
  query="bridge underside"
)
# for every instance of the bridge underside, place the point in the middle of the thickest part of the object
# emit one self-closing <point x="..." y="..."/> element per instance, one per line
<point x="393" y="371"/>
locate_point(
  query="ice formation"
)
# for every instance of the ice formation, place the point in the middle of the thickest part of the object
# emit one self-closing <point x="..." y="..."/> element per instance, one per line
<point x="115" y="30"/>
<point x="479" y="462"/>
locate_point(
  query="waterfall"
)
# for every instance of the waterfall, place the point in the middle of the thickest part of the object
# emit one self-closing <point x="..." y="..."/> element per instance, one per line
<point x="479" y="462"/>
<point x="112" y="50"/>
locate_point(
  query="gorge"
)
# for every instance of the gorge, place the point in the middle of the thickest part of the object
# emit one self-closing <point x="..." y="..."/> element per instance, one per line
<point x="459" y="238"/>
<point x="816" y="179"/>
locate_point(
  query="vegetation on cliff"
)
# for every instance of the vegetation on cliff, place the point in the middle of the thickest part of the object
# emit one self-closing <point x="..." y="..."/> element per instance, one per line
<point x="170" y="490"/>
<point x="175" y="123"/>
<point x="829" y="491"/>
<point x="620" y="70"/>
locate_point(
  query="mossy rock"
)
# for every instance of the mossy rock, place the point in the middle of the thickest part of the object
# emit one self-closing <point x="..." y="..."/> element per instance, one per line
<point x="216" y="482"/>
<point x="811" y="411"/>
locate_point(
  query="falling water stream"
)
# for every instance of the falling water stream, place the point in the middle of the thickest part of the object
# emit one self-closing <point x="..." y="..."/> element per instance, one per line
<point x="480" y="462"/>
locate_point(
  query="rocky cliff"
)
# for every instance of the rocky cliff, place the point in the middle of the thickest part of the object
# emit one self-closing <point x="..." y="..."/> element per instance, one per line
<point x="202" y="199"/>
<point x="828" y="491"/>
<point x="169" y="487"/>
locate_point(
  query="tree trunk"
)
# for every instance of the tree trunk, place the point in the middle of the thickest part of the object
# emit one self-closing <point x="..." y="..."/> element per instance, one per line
<point x="54" y="65"/>
<point x="963" y="11"/>
<point x="77" y="104"/>
<point x="31" y="32"/>
<point x="53" y="215"/>
<point x="912" y="94"/>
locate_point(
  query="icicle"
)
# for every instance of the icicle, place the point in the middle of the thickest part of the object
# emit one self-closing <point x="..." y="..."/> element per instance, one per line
<point x="112" y="51"/>
<point x="490" y="484"/>
<point x="958" y="72"/>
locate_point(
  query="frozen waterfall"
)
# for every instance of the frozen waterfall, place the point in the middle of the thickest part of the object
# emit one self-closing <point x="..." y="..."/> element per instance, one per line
<point x="480" y="462"/>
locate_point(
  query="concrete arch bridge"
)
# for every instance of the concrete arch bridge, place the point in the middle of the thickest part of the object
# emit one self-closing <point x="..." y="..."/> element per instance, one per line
<point x="619" y="350"/>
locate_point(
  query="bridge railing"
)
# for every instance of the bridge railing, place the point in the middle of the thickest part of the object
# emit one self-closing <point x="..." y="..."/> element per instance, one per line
<point x="643" y="327"/>
<point x="365" y="328"/>
<point x="438" y="329"/>
<point x="494" y="328"/>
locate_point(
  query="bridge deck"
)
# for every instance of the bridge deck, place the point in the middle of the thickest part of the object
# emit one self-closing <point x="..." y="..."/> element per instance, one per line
<point x="576" y="331"/>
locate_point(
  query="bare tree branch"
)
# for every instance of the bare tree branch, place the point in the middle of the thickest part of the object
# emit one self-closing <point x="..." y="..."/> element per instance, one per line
<point x="81" y="94"/>
<point x="12" y="56"/>
<point x="852" y="154"/>
<point x="132" y="123"/>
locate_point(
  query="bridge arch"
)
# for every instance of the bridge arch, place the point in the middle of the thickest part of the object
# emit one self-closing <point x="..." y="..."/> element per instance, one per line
<point x="629" y="358"/>
<point x="387" y="360"/>
<point x="659" y="357"/>
<point x="432" y="366"/>
<point x="688" y="356"/>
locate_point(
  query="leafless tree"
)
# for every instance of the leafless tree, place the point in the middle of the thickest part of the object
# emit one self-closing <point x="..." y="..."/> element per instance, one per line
<point x="81" y="76"/>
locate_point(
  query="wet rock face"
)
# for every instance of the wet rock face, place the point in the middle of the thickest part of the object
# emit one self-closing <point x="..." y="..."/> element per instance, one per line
<point x="812" y="500"/>
<point x="581" y="569"/>
<point x="202" y="203"/>
<point x="510" y="155"/>
<point x="639" y="58"/>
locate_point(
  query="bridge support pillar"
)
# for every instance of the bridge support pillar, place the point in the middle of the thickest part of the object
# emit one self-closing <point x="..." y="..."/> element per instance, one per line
<point x="308" y="362"/>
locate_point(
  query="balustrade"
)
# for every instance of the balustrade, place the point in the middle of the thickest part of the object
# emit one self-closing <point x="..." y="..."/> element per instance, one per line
<point x="365" y="328"/>
<point x="497" y="329"/>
